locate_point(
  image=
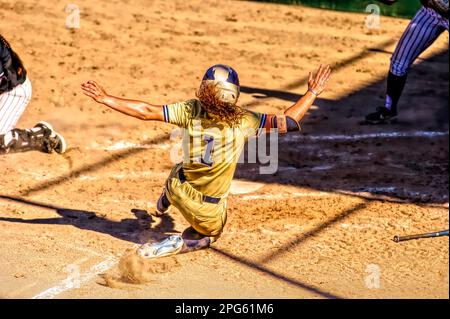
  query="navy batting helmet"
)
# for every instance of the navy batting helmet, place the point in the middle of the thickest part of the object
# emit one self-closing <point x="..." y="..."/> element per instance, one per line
<point x="226" y="80"/>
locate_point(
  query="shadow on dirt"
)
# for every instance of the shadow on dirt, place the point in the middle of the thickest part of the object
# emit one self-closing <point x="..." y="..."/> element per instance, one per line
<point x="335" y="153"/>
<point x="120" y="155"/>
<point x="139" y="230"/>
<point x="284" y="95"/>
<point x="343" y="155"/>
<point x="260" y="268"/>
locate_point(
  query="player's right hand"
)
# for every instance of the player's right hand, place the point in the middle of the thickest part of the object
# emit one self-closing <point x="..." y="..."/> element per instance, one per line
<point x="95" y="91"/>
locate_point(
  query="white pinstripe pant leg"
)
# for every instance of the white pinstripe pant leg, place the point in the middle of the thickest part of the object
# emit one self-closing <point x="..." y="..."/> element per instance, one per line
<point x="13" y="104"/>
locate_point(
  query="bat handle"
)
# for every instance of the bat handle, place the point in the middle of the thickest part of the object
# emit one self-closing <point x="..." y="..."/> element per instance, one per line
<point x="426" y="235"/>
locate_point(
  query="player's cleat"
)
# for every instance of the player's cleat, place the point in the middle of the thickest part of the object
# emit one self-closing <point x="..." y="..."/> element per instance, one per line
<point x="162" y="206"/>
<point x="169" y="246"/>
<point x="53" y="141"/>
<point x="381" y="115"/>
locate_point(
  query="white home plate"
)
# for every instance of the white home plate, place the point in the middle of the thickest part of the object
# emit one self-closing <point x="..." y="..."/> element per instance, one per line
<point x="244" y="187"/>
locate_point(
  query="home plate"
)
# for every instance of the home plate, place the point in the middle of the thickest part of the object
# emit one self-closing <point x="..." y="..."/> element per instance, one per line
<point x="244" y="187"/>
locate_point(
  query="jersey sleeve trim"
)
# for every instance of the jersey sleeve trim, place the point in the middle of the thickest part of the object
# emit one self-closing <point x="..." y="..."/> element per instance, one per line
<point x="263" y="121"/>
<point x="166" y="113"/>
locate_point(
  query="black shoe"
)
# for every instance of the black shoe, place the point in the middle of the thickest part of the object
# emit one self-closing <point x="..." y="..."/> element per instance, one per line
<point x="52" y="140"/>
<point x="381" y="115"/>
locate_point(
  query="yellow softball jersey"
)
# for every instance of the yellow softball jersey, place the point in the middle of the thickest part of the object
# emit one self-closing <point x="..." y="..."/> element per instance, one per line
<point x="211" y="149"/>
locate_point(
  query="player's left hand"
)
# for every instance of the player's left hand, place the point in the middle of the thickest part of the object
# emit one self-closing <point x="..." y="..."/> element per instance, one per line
<point x="318" y="82"/>
<point x="95" y="91"/>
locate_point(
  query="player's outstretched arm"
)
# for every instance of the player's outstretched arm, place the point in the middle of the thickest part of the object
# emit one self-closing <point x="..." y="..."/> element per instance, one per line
<point x="137" y="109"/>
<point x="316" y="85"/>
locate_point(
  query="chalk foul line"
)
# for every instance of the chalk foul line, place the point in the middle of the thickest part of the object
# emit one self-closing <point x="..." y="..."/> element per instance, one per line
<point x="67" y="284"/>
<point x="355" y="137"/>
<point x="121" y="145"/>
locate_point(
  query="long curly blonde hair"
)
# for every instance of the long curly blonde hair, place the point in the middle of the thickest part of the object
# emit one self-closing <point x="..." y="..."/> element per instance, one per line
<point x="220" y="111"/>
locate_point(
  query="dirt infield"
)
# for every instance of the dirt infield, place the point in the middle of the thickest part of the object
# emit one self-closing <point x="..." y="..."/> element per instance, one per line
<point x="321" y="227"/>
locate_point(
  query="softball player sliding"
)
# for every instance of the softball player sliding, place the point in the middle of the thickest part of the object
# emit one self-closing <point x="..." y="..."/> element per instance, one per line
<point x="216" y="130"/>
<point x="15" y="94"/>
<point x="429" y="22"/>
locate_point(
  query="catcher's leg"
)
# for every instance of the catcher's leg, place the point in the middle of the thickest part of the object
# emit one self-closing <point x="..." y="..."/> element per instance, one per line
<point x="41" y="137"/>
<point x="12" y="104"/>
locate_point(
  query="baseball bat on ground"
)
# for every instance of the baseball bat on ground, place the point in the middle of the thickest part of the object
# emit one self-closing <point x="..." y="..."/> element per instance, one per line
<point x="426" y="235"/>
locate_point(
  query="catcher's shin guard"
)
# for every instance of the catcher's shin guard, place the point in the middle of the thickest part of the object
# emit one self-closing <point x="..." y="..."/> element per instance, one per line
<point x="39" y="138"/>
<point x="18" y="140"/>
<point x="5" y="142"/>
<point x="53" y="141"/>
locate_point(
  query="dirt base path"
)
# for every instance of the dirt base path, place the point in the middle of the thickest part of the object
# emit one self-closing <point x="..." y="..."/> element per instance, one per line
<point x="321" y="227"/>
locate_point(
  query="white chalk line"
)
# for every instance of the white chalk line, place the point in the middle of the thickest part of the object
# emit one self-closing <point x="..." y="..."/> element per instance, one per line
<point x="145" y="174"/>
<point x="313" y="168"/>
<point x="286" y="196"/>
<point x="129" y="145"/>
<point x="67" y="284"/>
<point x="112" y="261"/>
<point x="354" y="137"/>
<point x="86" y="250"/>
<point x="114" y="175"/>
<point x="125" y="175"/>
<point x="123" y="145"/>
<point x="389" y="190"/>
<point x="365" y="191"/>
